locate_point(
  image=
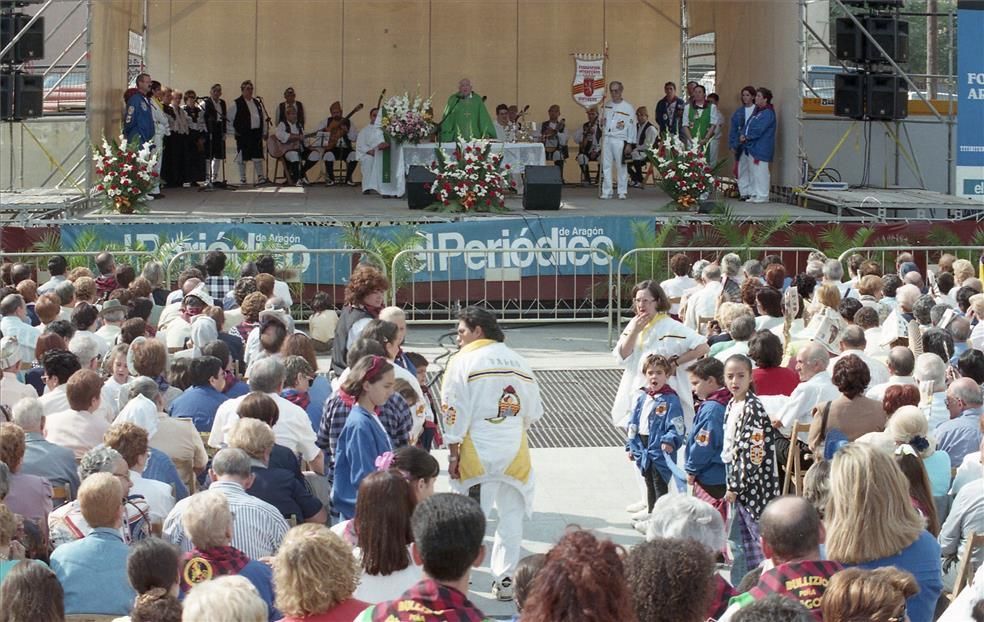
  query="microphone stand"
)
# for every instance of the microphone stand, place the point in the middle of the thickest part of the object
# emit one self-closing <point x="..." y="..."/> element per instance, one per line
<point x="445" y="118"/>
<point x="266" y="160"/>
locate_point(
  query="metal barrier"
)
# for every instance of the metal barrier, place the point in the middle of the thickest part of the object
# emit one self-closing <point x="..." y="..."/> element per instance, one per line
<point x="644" y="264"/>
<point x="522" y="285"/>
<point x="295" y="264"/>
<point x="922" y="255"/>
<point x="80" y="259"/>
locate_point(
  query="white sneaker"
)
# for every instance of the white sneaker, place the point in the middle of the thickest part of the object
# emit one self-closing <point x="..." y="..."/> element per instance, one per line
<point x="503" y="589"/>
<point x="642" y="514"/>
<point x="632" y="508"/>
<point x="758" y="200"/>
<point x="642" y="526"/>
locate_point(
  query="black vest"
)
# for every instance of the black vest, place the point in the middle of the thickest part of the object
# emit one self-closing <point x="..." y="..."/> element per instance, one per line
<point x="282" y="112"/>
<point x="214" y="121"/>
<point x="242" y="123"/>
<point x="339" y="349"/>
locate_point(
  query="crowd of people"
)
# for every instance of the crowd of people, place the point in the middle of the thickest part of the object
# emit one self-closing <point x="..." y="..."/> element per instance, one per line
<point x="179" y="454"/>
<point x="189" y="134"/>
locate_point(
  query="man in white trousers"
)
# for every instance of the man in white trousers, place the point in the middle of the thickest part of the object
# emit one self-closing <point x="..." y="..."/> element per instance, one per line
<point x="618" y="117"/>
<point x="489" y="400"/>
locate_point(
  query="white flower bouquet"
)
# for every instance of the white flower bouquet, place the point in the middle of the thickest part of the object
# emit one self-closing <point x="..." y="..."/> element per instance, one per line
<point x="684" y="173"/>
<point x="407" y="120"/>
<point x="124" y="174"/>
<point x="472" y="180"/>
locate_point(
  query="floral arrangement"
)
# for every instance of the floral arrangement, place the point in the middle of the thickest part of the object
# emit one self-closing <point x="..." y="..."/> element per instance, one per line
<point x="472" y="180"/>
<point x="406" y="120"/>
<point x="683" y="171"/>
<point x="124" y="174"/>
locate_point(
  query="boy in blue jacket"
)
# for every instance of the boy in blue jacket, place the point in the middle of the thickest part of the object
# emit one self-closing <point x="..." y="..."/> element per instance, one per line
<point x="655" y="428"/>
<point x="705" y="469"/>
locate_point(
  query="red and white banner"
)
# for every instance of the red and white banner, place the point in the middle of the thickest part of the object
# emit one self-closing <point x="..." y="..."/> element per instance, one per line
<point x="589" y="79"/>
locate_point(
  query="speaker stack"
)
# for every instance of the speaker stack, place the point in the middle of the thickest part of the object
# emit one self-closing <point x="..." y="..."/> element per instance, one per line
<point x="871" y="91"/>
<point x="21" y="94"/>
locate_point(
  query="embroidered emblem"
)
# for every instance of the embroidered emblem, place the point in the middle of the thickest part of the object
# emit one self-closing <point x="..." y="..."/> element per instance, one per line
<point x="661" y="409"/>
<point x="620" y="125"/>
<point x="450" y="414"/>
<point x="756" y="454"/>
<point x="703" y="437"/>
<point x="129" y="114"/>
<point x="421" y="410"/>
<point x="197" y="570"/>
<point x="143" y="106"/>
<point x="508" y="405"/>
<point x="757" y="437"/>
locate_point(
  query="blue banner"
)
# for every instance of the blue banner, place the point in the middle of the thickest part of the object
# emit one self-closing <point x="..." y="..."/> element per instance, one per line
<point x="970" y="106"/>
<point x="453" y="250"/>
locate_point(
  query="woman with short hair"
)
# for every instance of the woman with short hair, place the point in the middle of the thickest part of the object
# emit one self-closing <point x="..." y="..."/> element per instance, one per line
<point x="880" y="594"/>
<point x="225" y="599"/>
<point x="312" y="555"/>
<point x="365" y="296"/>
<point x="851" y="414"/>
<point x="871" y="523"/>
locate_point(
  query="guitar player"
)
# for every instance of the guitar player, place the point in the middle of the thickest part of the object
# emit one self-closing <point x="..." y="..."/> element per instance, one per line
<point x="336" y="139"/>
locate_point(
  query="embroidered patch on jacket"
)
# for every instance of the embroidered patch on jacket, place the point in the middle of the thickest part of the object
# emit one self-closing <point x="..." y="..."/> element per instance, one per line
<point x="703" y="437"/>
<point x="508" y="405"/>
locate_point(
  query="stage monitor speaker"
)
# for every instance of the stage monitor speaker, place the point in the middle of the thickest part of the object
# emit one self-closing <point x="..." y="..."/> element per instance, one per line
<point x="849" y="95"/>
<point x="30" y="46"/>
<point x="886" y="97"/>
<point x="543" y="186"/>
<point x="891" y="34"/>
<point x="848" y="40"/>
<point x="419" y="180"/>
<point x="29" y="96"/>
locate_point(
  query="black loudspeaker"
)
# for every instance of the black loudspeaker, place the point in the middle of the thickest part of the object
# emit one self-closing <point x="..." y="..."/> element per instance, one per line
<point x="890" y="33"/>
<point x="886" y="97"/>
<point x="21" y="96"/>
<point x="849" y="95"/>
<point x="31" y="45"/>
<point x="848" y="40"/>
<point x="543" y="185"/>
<point x="419" y="180"/>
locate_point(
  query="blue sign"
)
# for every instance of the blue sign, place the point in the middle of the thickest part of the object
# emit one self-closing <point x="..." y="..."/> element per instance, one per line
<point x="970" y="107"/>
<point x="456" y="250"/>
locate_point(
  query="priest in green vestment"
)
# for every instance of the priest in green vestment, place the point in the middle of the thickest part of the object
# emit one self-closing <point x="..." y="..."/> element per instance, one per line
<point x="465" y="116"/>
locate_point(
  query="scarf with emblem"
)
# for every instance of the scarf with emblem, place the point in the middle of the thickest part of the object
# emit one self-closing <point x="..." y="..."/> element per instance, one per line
<point x="428" y="601"/>
<point x="198" y="566"/>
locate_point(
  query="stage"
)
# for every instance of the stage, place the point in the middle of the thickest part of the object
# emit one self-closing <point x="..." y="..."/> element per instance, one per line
<point x="346" y="204"/>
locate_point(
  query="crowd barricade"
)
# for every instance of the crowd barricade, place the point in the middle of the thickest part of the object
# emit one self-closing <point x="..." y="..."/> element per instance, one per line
<point x="307" y="271"/>
<point x="923" y="256"/>
<point x="644" y="264"/>
<point x="521" y="285"/>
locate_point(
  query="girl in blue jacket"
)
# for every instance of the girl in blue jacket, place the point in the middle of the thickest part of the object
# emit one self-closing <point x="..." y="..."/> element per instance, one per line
<point x="705" y="469"/>
<point x="758" y="142"/>
<point x="738" y="121"/>
<point x="656" y="427"/>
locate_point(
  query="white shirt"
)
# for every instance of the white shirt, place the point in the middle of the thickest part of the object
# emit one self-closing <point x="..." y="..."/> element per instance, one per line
<point x="620" y="121"/>
<point x="54" y="401"/>
<point x="970" y="470"/>
<point x="767" y="322"/>
<point x="27" y="335"/>
<point x="293" y="428"/>
<point x="505" y="133"/>
<point x="254" y="114"/>
<point x="703" y="303"/>
<point x="798" y="406"/>
<point x="157" y="494"/>
<point x="877" y="391"/>
<point x="108" y="333"/>
<point x="13" y="390"/>
<point x="877" y="369"/>
<point x="675" y="287"/>
<point x="731" y="419"/>
<point x="285" y="129"/>
<point x="738" y="347"/>
<point x="282" y="290"/>
<point x="936" y="411"/>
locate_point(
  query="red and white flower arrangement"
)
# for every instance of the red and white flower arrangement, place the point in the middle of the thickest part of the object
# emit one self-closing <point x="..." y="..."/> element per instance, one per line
<point x="473" y="179"/>
<point x="124" y="174"/>
<point x="683" y="171"/>
<point x="407" y="120"/>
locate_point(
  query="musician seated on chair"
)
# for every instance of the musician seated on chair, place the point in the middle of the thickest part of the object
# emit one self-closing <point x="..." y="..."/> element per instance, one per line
<point x="336" y="138"/>
<point x="553" y="135"/>
<point x="588" y="139"/>
<point x="290" y="101"/>
<point x="290" y="137"/>
<point x="645" y="141"/>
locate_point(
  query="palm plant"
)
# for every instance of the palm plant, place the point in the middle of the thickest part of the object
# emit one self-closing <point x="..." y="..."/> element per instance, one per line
<point x="383" y="249"/>
<point x="728" y="231"/>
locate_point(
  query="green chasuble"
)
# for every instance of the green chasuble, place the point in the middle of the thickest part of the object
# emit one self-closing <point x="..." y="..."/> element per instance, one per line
<point x="467" y="119"/>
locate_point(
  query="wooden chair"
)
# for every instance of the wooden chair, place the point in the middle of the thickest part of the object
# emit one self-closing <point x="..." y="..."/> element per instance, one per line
<point x="794" y="469"/>
<point x="210" y="451"/>
<point x="964" y="571"/>
<point x="60" y="494"/>
<point x="702" y="323"/>
<point x="650" y="175"/>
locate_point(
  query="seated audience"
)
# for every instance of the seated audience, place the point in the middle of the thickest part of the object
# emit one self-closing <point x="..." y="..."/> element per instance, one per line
<point x="19" y="594"/>
<point x="966" y="517"/>
<point x="774" y="608"/>
<point x="654" y="596"/>
<point x="131" y="441"/>
<point x="852" y="413"/>
<point x="27" y="495"/>
<point x="57" y="367"/>
<point x="225" y="599"/>
<point x="770" y="376"/>
<point x="12" y="389"/>
<point x="200" y="401"/>
<point x="879" y="594"/>
<point x="908" y="426"/>
<point x="152" y="568"/>
<point x="962" y="434"/>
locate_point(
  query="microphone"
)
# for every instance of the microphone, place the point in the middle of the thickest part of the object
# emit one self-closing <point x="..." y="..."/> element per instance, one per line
<point x="484" y="97"/>
<point x="525" y="108"/>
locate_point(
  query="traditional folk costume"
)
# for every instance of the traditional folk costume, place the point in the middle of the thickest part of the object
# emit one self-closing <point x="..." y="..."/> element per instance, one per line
<point x="342" y="151"/>
<point x="246" y="121"/>
<point x="704" y="446"/>
<point x="216" y="120"/>
<point x="588" y="139"/>
<point x="555" y="144"/>
<point x="669" y="115"/>
<point x="297" y="150"/>
<point x="466" y="118"/>
<point x="754" y="472"/>
<point x="162" y="128"/>
<point x="656" y="419"/>
<point x="490" y="399"/>
<point x="197" y="144"/>
<point x="176" y="146"/>
<point x="620" y="130"/>
<point x="646" y="140"/>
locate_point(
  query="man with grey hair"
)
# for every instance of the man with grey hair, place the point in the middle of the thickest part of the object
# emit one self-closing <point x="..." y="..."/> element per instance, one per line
<point x="52" y="462"/>
<point x="731" y="277"/>
<point x="815" y="387"/>
<point x="619" y="120"/>
<point x="959" y="329"/>
<point x="687" y="518"/>
<point x="930" y="375"/>
<point x="87" y="348"/>
<point x="112" y="313"/>
<point x="293" y="428"/>
<point x="258" y="529"/>
<point x="815" y="269"/>
<point x="961" y="435"/>
<point x="854" y="342"/>
<point x="741" y="330"/>
<point x="752" y="269"/>
<point x="900" y="365"/>
<point x="15" y="323"/>
<point x="703" y="302"/>
<point x="66" y="296"/>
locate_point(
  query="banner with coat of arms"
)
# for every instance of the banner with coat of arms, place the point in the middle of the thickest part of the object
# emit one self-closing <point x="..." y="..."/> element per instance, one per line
<point x="588" y="88"/>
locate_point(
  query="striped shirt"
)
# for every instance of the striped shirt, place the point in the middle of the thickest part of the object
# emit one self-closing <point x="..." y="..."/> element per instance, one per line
<point x="257" y="528"/>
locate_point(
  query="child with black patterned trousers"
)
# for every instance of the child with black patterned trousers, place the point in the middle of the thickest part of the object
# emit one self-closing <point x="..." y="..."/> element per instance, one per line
<point x="656" y="429"/>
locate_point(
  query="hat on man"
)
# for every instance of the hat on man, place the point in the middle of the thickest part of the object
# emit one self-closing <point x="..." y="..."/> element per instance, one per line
<point x="10" y="352"/>
<point x="277" y="315"/>
<point x="200" y="293"/>
<point x="111" y="305"/>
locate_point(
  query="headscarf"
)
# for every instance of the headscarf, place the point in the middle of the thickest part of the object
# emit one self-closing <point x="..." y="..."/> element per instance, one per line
<point x="142" y="412"/>
<point x="203" y="331"/>
<point x="10" y="352"/>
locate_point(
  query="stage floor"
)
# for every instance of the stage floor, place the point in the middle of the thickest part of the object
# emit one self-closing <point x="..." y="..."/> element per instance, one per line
<point x="348" y="204"/>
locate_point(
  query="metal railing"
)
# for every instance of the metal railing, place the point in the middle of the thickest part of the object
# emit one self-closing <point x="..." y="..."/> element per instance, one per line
<point x="302" y="269"/>
<point x="78" y="259"/>
<point x="522" y="285"/>
<point x="653" y="264"/>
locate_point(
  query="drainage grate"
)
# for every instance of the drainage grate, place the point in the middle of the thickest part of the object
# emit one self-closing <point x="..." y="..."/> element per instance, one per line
<point x="577" y="406"/>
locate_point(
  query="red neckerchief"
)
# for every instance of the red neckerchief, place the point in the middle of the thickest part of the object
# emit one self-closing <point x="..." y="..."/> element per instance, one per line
<point x="189" y="313"/>
<point x="428" y="601"/>
<point x="663" y="390"/>
<point x="371" y="310"/>
<point x="296" y="397"/>
<point x="200" y="565"/>
<point x="106" y="283"/>
<point x="348" y="400"/>
<point x="722" y="396"/>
